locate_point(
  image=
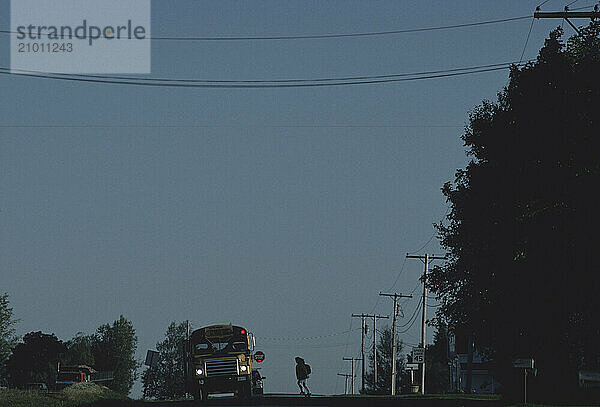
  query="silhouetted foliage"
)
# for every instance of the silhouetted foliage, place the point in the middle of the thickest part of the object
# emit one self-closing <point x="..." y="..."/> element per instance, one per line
<point x="166" y="380"/>
<point x="35" y="360"/>
<point x="522" y="274"/>
<point x="8" y="339"/>
<point x="79" y="351"/>
<point x="437" y="377"/>
<point x="113" y="348"/>
<point x="384" y="365"/>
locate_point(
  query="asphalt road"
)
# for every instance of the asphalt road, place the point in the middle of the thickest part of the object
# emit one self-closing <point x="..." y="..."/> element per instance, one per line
<point x="315" y="400"/>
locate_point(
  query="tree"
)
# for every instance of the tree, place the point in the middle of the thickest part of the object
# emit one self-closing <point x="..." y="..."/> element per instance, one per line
<point x="113" y="349"/>
<point x="437" y="378"/>
<point x="522" y="272"/>
<point x="166" y="380"/>
<point x="384" y="365"/>
<point x="35" y="359"/>
<point x="8" y="339"/>
<point x="79" y="351"/>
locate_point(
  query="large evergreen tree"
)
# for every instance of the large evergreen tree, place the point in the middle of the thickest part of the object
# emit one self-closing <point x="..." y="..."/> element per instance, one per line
<point x="522" y="274"/>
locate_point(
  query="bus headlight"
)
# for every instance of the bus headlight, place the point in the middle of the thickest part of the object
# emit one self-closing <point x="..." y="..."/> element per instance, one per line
<point x="199" y="371"/>
<point x="243" y="368"/>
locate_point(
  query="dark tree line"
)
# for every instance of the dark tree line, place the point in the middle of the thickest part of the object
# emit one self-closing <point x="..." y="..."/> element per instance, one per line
<point x="36" y="358"/>
<point x="523" y="276"/>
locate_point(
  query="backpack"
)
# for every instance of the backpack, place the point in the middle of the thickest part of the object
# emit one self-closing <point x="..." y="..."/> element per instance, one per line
<point x="307" y="368"/>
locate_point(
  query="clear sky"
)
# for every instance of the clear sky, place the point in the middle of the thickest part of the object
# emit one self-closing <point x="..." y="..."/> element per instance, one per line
<point x="281" y="210"/>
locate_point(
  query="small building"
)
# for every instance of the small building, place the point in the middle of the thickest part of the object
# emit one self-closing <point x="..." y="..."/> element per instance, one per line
<point x="482" y="380"/>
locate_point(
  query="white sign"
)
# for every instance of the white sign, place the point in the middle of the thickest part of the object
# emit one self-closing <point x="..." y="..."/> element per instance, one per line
<point x="412" y="366"/>
<point x="418" y="355"/>
<point x="80" y="36"/>
<point x="523" y="363"/>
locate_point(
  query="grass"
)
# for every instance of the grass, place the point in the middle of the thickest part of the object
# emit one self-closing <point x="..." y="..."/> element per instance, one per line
<point x="448" y="396"/>
<point x="80" y="394"/>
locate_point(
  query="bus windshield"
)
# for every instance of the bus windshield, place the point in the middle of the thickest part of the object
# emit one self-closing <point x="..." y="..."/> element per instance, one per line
<point x="221" y="339"/>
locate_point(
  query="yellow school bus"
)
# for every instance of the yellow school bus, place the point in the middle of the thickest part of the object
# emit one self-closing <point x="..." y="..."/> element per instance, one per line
<point x="220" y="361"/>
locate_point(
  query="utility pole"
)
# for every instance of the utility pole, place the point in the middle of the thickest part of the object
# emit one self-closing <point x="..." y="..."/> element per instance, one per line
<point x="425" y="259"/>
<point x="364" y="332"/>
<point x="566" y="14"/>
<point x="187" y="354"/>
<point x="352" y="371"/>
<point x="395" y="296"/>
<point x="346" y="376"/>
<point x="363" y="325"/>
<point x="363" y="316"/>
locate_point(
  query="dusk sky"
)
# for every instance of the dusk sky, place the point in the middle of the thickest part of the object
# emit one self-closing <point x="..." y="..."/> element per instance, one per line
<point x="281" y="210"/>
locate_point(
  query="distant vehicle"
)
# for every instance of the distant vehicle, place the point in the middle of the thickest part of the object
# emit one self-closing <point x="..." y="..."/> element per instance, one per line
<point x="36" y="387"/>
<point x="220" y="361"/>
<point x="69" y="375"/>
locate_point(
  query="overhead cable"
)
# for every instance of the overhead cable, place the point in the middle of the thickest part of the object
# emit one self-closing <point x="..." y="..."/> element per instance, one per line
<point x="323" y="36"/>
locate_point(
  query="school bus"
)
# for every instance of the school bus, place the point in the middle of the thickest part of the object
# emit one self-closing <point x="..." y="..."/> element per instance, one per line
<point x="220" y="361"/>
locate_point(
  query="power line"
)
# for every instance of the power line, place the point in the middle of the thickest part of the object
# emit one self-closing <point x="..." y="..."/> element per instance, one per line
<point x="425" y="245"/>
<point x="324" y="36"/>
<point x="186" y="126"/>
<point x="527" y="40"/>
<point x="399" y="274"/>
<point x="540" y="5"/>
<point x="307" y="338"/>
<point x="256" y="86"/>
<point x="411" y="322"/>
<point x="412" y="316"/>
<point x="377" y="79"/>
<point x="253" y="81"/>
<point x="415" y="289"/>
<point x="432" y="236"/>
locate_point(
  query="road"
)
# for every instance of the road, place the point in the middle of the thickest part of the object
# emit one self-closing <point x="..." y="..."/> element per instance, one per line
<point x="315" y="400"/>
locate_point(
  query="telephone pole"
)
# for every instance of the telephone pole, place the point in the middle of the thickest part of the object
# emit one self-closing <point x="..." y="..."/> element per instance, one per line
<point x="364" y="332"/>
<point x="395" y="296"/>
<point x="425" y="259"/>
<point x="187" y="352"/>
<point x="346" y="376"/>
<point x="374" y="316"/>
<point x="352" y="371"/>
<point x="566" y="14"/>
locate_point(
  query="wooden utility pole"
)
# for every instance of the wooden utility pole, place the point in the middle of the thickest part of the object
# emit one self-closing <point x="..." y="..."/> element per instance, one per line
<point x="352" y="372"/>
<point x="374" y="316"/>
<point x="362" y="349"/>
<point x="187" y="352"/>
<point x="395" y="296"/>
<point x="346" y="376"/>
<point x="566" y="14"/>
<point x="425" y="259"/>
